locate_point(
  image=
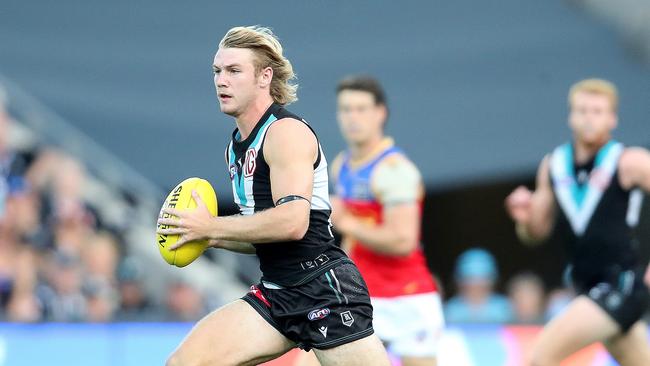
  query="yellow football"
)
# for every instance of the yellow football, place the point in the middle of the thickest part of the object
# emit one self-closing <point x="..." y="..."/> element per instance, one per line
<point x="180" y="198"/>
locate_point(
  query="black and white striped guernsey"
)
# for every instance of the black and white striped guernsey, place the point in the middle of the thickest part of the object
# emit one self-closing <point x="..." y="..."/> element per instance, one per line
<point x="292" y="262"/>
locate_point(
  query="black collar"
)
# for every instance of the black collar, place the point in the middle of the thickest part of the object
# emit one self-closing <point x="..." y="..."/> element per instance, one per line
<point x="243" y="144"/>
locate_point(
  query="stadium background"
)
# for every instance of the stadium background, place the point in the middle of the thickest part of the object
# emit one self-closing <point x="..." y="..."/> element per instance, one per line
<point x="477" y="94"/>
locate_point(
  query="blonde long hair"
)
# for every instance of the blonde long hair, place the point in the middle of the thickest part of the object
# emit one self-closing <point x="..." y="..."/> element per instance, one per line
<point x="268" y="52"/>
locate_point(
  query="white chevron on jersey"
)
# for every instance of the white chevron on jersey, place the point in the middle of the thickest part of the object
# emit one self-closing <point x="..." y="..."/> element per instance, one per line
<point x="579" y="203"/>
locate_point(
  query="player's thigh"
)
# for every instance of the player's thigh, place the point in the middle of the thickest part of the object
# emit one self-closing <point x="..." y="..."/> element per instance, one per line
<point x="362" y="352"/>
<point x="306" y="359"/>
<point x="582" y="323"/>
<point x="631" y="348"/>
<point x="232" y="335"/>
<point x="309" y="359"/>
<point x="419" y="361"/>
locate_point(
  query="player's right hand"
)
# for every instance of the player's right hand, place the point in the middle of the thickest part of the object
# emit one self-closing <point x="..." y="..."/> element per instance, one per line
<point x="518" y="204"/>
<point x="216" y="243"/>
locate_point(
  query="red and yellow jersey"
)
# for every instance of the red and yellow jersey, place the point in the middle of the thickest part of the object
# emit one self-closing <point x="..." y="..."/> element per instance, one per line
<point x="365" y="188"/>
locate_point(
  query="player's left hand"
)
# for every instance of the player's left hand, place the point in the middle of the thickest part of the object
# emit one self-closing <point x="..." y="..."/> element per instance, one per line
<point x="191" y="225"/>
<point x="646" y="278"/>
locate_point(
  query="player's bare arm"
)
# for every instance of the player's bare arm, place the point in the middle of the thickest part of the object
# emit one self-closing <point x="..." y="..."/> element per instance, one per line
<point x="233" y="246"/>
<point x="339" y="210"/>
<point x="338" y="206"/>
<point x="635" y="173"/>
<point x="396" y="236"/>
<point x="290" y="150"/>
<point x="397" y="183"/>
<point x="533" y="211"/>
<point x="635" y="169"/>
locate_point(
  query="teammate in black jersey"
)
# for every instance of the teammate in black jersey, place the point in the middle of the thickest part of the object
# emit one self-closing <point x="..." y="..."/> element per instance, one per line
<point x="592" y="189"/>
<point x="311" y="295"/>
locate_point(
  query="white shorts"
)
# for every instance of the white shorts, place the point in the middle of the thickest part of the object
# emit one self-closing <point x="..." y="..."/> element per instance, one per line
<point x="411" y="326"/>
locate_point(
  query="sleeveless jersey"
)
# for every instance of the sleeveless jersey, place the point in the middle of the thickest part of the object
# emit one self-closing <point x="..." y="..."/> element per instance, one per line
<point x="292" y="262"/>
<point x="386" y="275"/>
<point x="597" y="216"/>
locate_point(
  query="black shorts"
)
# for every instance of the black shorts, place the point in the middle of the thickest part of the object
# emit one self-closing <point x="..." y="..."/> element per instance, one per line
<point x="328" y="311"/>
<point x="624" y="298"/>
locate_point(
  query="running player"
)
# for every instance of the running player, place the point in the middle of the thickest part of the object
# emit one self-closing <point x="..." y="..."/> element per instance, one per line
<point x="593" y="186"/>
<point x="377" y="209"/>
<point x="311" y="295"/>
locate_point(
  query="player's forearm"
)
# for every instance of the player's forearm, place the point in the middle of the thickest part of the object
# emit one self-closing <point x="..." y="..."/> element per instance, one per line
<point x="347" y="244"/>
<point x="282" y="223"/>
<point x="537" y="229"/>
<point x="526" y="235"/>
<point x="645" y="183"/>
<point x="234" y="246"/>
<point x="537" y="224"/>
<point x="383" y="239"/>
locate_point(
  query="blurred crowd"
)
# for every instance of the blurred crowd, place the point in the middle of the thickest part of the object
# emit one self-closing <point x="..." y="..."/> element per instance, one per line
<point x="59" y="261"/>
<point x="526" y="300"/>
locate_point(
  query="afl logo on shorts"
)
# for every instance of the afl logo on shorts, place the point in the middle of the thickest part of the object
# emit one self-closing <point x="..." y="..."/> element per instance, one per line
<point x="318" y="314"/>
<point x="249" y="165"/>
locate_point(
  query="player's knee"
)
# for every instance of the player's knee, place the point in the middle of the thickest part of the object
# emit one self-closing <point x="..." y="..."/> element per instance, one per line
<point x="542" y="359"/>
<point x="178" y="360"/>
<point x="174" y="360"/>
<point x="220" y="358"/>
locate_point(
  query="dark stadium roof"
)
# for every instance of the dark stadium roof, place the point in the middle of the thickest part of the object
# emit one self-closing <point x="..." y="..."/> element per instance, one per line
<point x="476" y="90"/>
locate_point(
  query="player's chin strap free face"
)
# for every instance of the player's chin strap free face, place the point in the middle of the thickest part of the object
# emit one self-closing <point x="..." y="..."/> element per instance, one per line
<point x="289" y="198"/>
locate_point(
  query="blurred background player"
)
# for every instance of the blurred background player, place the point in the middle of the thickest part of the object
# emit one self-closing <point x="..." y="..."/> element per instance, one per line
<point x="311" y="295"/>
<point x="377" y="209"/>
<point x="593" y="186"/>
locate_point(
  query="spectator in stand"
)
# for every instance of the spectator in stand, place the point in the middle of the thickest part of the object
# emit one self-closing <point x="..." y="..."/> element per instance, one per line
<point x="61" y="294"/>
<point x="100" y="256"/>
<point x="135" y="305"/>
<point x="5" y="154"/>
<point x="526" y="293"/>
<point x="476" y="275"/>
<point x="17" y="271"/>
<point x="73" y="223"/>
<point x="23" y="306"/>
<point x="184" y="303"/>
<point x="101" y="300"/>
<point x="558" y="299"/>
<point x="9" y="248"/>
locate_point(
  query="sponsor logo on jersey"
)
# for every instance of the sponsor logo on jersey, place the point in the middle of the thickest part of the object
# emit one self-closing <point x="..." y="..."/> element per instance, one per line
<point x="600" y="179"/>
<point x="318" y="314"/>
<point x="250" y="163"/>
<point x="232" y="170"/>
<point x="582" y="176"/>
